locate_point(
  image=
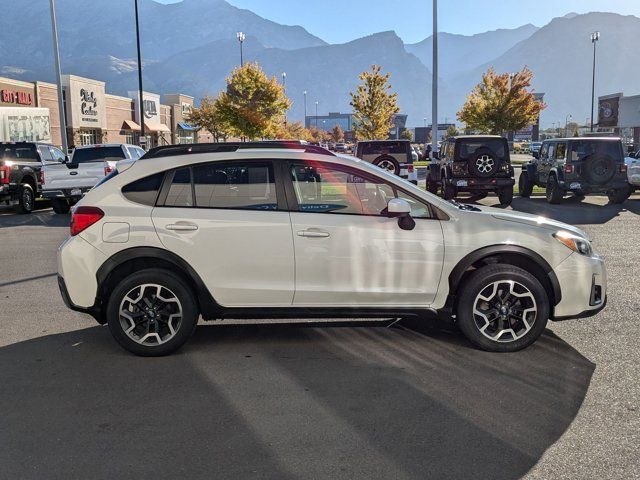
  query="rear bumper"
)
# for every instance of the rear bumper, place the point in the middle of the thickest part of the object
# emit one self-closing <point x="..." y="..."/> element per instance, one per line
<point x="66" y="193"/>
<point x="473" y="183"/>
<point x="93" y="310"/>
<point x="586" y="187"/>
<point x="409" y="172"/>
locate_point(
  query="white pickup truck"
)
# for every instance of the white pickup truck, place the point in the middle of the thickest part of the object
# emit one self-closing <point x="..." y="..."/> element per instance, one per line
<point x="66" y="183"/>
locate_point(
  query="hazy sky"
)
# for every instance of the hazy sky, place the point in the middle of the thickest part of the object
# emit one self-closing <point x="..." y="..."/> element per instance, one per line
<point x="339" y="21"/>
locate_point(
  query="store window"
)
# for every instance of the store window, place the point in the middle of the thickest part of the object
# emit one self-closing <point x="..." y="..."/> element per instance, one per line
<point x="132" y="138"/>
<point x="89" y="137"/>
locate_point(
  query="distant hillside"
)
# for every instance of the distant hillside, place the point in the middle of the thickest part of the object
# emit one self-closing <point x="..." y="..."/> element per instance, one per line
<point x="460" y="53"/>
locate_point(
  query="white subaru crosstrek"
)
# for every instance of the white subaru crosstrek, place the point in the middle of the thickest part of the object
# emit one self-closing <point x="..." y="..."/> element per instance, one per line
<point x="287" y="230"/>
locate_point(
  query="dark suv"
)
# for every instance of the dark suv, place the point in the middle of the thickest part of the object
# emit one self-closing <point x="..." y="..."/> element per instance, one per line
<point x="578" y="165"/>
<point x="473" y="163"/>
<point x="20" y="167"/>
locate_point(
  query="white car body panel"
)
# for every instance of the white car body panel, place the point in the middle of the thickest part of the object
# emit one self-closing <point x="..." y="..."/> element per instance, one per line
<point x="62" y="176"/>
<point x="633" y="171"/>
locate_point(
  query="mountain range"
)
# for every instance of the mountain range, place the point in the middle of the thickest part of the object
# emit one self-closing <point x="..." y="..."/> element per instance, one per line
<point x="191" y="46"/>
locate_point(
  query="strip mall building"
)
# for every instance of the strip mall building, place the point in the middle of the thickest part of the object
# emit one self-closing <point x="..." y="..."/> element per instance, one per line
<point x="92" y="115"/>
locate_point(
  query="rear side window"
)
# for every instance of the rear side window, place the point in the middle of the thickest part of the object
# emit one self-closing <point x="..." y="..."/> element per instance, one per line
<point x="248" y="186"/>
<point x="97" y="154"/>
<point x="144" y="191"/>
<point x="180" y="192"/>
<point x="45" y="153"/>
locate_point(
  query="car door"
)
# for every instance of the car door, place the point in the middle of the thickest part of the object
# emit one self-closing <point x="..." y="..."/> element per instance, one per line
<point x="348" y="251"/>
<point x="228" y="220"/>
<point x="543" y="163"/>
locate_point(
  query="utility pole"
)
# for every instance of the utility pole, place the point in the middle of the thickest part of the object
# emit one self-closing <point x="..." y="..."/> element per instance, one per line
<point x="143" y="138"/>
<point x="56" y="58"/>
<point x="305" y="108"/>
<point x="595" y="36"/>
<point x="316" y="114"/>
<point x="434" y="91"/>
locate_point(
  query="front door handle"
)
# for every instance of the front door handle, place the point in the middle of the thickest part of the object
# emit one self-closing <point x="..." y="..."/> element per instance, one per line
<point x="182" y="227"/>
<point x="313" y="233"/>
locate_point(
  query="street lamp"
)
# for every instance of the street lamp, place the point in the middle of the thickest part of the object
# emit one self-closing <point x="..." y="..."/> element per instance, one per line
<point x="566" y="125"/>
<point x="284" y="90"/>
<point x="241" y="36"/>
<point x="434" y="81"/>
<point x="305" y="108"/>
<point x="317" y="114"/>
<point x="595" y="36"/>
<point x="143" y="139"/>
<point x="56" y="57"/>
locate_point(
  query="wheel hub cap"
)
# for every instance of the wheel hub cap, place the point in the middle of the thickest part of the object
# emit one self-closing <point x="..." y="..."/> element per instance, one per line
<point x="484" y="163"/>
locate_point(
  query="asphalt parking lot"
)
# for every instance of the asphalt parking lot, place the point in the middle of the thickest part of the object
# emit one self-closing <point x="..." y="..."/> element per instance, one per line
<point x="352" y="400"/>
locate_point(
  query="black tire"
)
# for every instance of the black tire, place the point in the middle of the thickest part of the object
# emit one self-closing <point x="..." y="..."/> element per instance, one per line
<point x="449" y="192"/>
<point x="26" y="199"/>
<point x="554" y="192"/>
<point x="619" y="196"/>
<point x="476" y="283"/>
<point x="599" y="168"/>
<point x="525" y="186"/>
<point x="176" y="286"/>
<point x="388" y="163"/>
<point x="579" y="194"/>
<point x="505" y="196"/>
<point x="60" y="205"/>
<point x="484" y="163"/>
<point x="432" y="187"/>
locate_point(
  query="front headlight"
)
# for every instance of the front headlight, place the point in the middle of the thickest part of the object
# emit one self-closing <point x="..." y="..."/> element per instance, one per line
<point x="576" y="243"/>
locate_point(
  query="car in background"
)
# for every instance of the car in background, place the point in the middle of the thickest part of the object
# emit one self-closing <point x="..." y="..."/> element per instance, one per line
<point x="577" y="165"/>
<point x="206" y="230"/>
<point x="340" y="148"/>
<point x="395" y="156"/>
<point x="478" y="164"/>
<point x="21" y="165"/>
<point x="633" y="172"/>
<point x="535" y="148"/>
<point x="66" y="182"/>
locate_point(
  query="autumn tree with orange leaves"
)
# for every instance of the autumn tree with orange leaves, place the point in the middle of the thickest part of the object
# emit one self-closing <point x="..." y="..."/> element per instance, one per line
<point x="501" y="103"/>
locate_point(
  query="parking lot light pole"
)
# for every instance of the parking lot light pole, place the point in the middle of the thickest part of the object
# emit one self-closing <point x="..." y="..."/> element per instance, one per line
<point x="305" y="108"/>
<point x="56" y="58"/>
<point x="241" y="36"/>
<point x="566" y="125"/>
<point x="595" y="36"/>
<point x="143" y="139"/>
<point x="434" y="86"/>
<point x="316" y="114"/>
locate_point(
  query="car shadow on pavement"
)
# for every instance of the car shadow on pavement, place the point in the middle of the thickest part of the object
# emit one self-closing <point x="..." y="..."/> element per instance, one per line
<point x="285" y="401"/>
<point x="572" y="210"/>
<point x="40" y="218"/>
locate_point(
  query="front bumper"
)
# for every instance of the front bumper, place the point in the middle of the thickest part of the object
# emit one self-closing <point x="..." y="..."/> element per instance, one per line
<point x="583" y="282"/>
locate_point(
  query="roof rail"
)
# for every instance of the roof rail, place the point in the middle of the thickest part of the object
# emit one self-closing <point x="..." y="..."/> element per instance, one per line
<point x="223" y="147"/>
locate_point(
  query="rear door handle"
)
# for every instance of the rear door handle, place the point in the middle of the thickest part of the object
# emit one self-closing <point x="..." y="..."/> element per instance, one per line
<point x="313" y="233"/>
<point x="182" y="227"/>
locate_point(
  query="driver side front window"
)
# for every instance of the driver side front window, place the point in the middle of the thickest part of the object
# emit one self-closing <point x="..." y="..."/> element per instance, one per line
<point x="321" y="189"/>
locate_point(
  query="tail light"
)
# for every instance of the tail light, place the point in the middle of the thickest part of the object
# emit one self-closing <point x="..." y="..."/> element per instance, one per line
<point x="107" y="170"/>
<point x="83" y="217"/>
<point x="5" y="172"/>
<point x="459" y="168"/>
<point x="568" y="168"/>
<point x="41" y="177"/>
<point x="409" y="168"/>
<point x="623" y="168"/>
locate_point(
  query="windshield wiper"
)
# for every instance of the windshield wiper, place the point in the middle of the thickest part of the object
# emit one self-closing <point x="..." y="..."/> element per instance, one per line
<point x="464" y="206"/>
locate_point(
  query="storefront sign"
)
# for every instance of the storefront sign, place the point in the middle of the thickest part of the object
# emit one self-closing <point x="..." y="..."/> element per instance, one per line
<point x="150" y="107"/>
<point x="608" y="112"/>
<point x="86" y="104"/>
<point x="16" y="97"/>
<point x="186" y="108"/>
<point x="25" y="124"/>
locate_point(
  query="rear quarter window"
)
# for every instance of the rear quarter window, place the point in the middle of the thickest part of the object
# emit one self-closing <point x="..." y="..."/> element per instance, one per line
<point x="145" y="190"/>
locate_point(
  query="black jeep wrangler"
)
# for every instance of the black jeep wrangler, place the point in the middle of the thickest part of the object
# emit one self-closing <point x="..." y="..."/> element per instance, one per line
<point x="579" y="165"/>
<point x="478" y="164"/>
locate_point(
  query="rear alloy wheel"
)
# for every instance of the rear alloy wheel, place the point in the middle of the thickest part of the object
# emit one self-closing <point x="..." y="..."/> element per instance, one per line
<point x="502" y="308"/>
<point x="26" y="199"/>
<point x="505" y="196"/>
<point x="525" y="186"/>
<point x="152" y="312"/>
<point x="388" y="163"/>
<point x="60" y="205"/>
<point x="619" y="196"/>
<point x="554" y="193"/>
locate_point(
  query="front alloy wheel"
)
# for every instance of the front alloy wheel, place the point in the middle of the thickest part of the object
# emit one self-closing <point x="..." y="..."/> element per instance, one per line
<point x="502" y="308"/>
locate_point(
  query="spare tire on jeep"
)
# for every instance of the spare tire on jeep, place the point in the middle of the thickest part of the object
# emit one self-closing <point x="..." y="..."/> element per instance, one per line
<point x="484" y="162"/>
<point x="599" y="168"/>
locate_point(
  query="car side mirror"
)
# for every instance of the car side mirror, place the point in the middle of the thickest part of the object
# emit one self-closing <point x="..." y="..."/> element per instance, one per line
<point x="400" y="209"/>
<point x="66" y="159"/>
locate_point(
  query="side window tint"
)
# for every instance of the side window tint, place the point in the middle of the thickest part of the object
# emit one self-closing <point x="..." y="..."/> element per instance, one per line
<point x="133" y="153"/>
<point x="145" y="190"/>
<point x="246" y="186"/>
<point x="45" y="153"/>
<point x="325" y="190"/>
<point x="180" y="194"/>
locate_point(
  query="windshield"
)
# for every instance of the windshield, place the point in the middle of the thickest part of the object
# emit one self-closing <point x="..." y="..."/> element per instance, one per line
<point x="18" y="151"/>
<point x="97" y="154"/>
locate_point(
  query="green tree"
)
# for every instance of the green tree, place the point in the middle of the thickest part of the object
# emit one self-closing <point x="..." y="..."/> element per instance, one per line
<point x="406" y="134"/>
<point x="373" y="105"/>
<point x="206" y="116"/>
<point x="501" y="103"/>
<point x="452" y="131"/>
<point x="253" y="103"/>
<point x="337" y="134"/>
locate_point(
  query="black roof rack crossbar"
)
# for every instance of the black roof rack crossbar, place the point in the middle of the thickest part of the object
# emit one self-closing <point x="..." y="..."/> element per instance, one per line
<point x="223" y="147"/>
